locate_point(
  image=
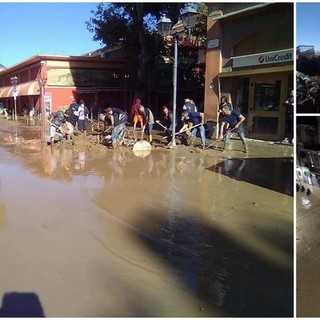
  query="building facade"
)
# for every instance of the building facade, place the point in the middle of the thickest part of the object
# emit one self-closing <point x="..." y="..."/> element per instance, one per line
<point x="58" y="80"/>
<point x="250" y="61"/>
<point x="305" y="51"/>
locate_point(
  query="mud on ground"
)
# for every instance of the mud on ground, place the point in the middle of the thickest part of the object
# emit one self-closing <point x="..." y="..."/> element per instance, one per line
<point x="95" y="232"/>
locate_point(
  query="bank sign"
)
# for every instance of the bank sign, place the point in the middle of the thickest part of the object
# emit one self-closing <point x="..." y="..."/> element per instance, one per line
<point x="261" y="59"/>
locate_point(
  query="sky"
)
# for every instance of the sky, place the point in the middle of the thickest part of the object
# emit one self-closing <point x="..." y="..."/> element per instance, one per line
<point x="28" y="29"/>
<point x="308" y="24"/>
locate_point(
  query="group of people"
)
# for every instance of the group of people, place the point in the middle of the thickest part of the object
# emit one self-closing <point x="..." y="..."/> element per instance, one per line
<point x="62" y="123"/>
<point x="78" y="115"/>
<point x="191" y="122"/>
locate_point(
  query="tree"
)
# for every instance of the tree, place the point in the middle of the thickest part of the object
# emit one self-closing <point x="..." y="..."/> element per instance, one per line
<point x="133" y="26"/>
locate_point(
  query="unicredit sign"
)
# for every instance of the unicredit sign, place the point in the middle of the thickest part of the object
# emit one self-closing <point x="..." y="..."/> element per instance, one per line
<point x="279" y="56"/>
<point x="275" y="58"/>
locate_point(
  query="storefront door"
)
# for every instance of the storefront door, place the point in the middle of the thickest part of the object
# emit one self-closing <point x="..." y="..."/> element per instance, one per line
<point x="266" y="114"/>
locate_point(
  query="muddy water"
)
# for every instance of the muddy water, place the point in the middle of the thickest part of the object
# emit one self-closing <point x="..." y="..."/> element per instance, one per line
<point x="308" y="253"/>
<point x="270" y="173"/>
<point x="111" y="234"/>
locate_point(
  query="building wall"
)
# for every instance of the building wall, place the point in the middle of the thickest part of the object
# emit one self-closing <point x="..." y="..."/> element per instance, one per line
<point x="65" y="79"/>
<point x="213" y="67"/>
<point x="236" y="30"/>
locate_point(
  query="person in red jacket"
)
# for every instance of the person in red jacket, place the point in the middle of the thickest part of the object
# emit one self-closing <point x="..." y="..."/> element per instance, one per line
<point x="136" y="114"/>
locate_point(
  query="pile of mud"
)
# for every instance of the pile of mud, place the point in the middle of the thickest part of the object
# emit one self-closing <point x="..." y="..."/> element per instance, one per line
<point x="83" y="142"/>
<point x="93" y="143"/>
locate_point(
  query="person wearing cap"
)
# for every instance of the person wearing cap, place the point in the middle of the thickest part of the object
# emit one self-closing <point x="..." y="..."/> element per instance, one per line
<point x="189" y="106"/>
<point x="192" y="119"/>
<point x="148" y="122"/>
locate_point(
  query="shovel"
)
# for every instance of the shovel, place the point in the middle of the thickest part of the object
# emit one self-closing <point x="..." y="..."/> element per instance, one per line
<point x="160" y="124"/>
<point x="57" y="127"/>
<point x="214" y="142"/>
<point x="187" y="129"/>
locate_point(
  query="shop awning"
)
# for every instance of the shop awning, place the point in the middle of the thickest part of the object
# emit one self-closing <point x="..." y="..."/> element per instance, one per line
<point x="248" y="72"/>
<point x="24" y="89"/>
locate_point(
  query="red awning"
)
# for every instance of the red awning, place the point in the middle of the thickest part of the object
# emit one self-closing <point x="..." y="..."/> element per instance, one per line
<point x="24" y="89"/>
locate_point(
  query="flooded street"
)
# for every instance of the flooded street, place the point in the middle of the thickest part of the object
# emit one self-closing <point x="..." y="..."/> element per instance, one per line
<point x="308" y="253"/>
<point x="181" y="232"/>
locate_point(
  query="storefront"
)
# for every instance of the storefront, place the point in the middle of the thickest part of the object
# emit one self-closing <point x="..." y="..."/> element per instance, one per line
<point x="58" y="80"/>
<point x="250" y="60"/>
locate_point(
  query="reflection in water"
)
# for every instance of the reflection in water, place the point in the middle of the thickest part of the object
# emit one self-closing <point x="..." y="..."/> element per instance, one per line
<point x="235" y="265"/>
<point x="271" y="173"/>
<point x="81" y="161"/>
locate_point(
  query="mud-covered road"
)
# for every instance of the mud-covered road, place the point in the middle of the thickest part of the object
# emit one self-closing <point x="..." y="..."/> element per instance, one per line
<point x="308" y="252"/>
<point x="90" y="232"/>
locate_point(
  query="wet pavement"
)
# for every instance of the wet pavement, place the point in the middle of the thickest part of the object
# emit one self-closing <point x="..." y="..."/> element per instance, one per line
<point x="278" y="177"/>
<point x="93" y="233"/>
<point x="308" y="252"/>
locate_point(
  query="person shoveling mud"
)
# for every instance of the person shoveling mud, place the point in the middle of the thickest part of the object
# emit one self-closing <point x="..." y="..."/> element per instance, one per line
<point x="59" y="126"/>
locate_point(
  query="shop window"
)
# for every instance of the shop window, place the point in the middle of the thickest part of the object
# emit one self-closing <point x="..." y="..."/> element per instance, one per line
<point x="265" y="125"/>
<point x="243" y="95"/>
<point x="267" y="96"/>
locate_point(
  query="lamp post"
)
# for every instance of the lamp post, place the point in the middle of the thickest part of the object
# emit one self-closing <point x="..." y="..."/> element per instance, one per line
<point x="14" y="82"/>
<point x="189" y="18"/>
<point x="43" y="111"/>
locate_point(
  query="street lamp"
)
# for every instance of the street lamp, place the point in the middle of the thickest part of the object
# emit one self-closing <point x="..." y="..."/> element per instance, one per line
<point x="14" y="82"/>
<point x="43" y="109"/>
<point x="189" y="18"/>
<point x="164" y="28"/>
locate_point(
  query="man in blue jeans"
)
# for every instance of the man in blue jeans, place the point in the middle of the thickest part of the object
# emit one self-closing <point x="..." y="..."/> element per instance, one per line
<point x="192" y="119"/>
<point x="118" y="119"/>
<point x="232" y="123"/>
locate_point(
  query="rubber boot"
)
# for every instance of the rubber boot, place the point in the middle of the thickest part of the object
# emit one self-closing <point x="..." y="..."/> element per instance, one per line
<point x="150" y="138"/>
